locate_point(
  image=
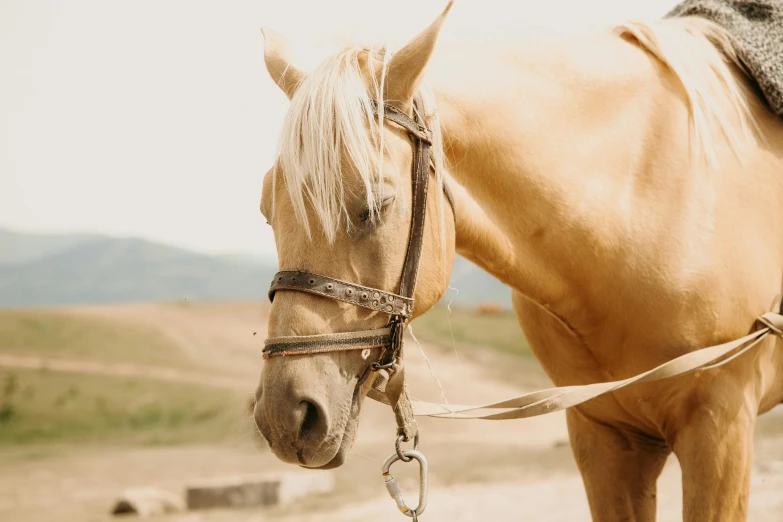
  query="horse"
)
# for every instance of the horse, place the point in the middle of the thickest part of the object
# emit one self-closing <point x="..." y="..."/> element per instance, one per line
<point x="627" y="185"/>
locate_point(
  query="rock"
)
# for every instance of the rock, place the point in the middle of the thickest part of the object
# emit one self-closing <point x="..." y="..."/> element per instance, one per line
<point x="146" y="502"/>
<point x="257" y="490"/>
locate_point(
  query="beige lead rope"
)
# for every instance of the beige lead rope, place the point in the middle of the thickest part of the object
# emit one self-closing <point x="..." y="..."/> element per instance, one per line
<point x="556" y="399"/>
<point x="537" y="403"/>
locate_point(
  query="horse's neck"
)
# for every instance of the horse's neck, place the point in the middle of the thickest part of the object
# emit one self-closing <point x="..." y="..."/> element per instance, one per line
<point x="552" y="154"/>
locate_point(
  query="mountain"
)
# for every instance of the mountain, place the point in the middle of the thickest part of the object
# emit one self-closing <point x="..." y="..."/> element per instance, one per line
<point x="58" y="270"/>
<point x="51" y="269"/>
<point x="16" y="247"/>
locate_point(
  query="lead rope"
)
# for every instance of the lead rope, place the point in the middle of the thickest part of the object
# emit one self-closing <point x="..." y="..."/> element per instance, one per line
<point x="554" y="399"/>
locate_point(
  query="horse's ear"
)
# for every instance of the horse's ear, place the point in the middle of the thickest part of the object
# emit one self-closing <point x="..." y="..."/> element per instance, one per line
<point x="407" y="65"/>
<point x="284" y="74"/>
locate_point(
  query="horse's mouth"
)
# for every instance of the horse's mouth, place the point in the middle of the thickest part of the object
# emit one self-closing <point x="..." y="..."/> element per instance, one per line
<point x="336" y="462"/>
<point x="339" y="457"/>
<point x="350" y="430"/>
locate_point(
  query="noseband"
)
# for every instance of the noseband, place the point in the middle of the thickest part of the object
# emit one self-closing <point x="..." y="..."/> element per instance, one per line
<point x="398" y="305"/>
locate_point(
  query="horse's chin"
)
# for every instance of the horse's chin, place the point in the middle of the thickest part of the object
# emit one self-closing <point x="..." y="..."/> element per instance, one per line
<point x="336" y="462"/>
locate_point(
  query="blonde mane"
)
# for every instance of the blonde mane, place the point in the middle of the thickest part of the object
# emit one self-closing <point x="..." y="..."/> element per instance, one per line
<point x="699" y="53"/>
<point x="331" y="119"/>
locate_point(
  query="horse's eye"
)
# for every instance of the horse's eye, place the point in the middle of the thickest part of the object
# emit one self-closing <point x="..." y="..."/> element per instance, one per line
<point x="365" y="215"/>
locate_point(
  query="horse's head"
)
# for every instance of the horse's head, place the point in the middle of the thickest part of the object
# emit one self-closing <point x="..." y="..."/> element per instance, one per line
<point x="340" y="200"/>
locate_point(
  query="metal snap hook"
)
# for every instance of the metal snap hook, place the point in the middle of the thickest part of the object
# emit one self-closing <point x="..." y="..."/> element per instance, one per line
<point x="394" y="489"/>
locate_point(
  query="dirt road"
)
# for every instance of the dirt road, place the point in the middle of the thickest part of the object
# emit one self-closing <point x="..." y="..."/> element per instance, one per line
<point x="480" y="470"/>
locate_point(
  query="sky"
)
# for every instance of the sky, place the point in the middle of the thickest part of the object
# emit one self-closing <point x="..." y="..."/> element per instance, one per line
<point x="157" y="118"/>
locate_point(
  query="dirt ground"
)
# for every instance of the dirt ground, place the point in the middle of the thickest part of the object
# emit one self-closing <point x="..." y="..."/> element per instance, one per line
<point x="500" y="471"/>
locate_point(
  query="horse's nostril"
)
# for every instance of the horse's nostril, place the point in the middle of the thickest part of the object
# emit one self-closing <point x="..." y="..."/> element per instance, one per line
<point x="310" y="418"/>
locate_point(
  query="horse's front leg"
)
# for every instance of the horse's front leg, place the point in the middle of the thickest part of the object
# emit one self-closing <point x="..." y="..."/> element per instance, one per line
<point x="713" y="439"/>
<point x="619" y="468"/>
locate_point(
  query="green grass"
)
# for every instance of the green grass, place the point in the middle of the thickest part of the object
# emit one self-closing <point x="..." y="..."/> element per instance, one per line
<point x="50" y="334"/>
<point x="43" y="407"/>
<point x="499" y="332"/>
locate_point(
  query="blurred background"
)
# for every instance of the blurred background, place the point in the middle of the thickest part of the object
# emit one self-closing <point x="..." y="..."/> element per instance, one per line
<point x="134" y="266"/>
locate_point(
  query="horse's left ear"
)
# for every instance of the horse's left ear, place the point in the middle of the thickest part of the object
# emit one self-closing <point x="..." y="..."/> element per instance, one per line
<point x="278" y="63"/>
<point x="407" y="65"/>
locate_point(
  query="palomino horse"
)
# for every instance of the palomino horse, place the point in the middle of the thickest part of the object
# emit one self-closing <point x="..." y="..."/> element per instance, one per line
<point x="627" y="186"/>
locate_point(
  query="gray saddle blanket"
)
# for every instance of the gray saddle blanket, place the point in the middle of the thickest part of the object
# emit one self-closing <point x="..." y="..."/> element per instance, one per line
<point x="758" y="29"/>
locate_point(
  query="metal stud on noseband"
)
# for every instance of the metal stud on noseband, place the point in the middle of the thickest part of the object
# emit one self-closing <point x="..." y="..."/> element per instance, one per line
<point x="399" y="306"/>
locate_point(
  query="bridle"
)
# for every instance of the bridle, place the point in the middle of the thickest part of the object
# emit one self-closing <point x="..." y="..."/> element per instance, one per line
<point x="398" y="305"/>
<point x="389" y="384"/>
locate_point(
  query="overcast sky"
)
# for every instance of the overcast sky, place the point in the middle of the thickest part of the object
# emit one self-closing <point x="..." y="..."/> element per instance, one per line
<point x="156" y="118"/>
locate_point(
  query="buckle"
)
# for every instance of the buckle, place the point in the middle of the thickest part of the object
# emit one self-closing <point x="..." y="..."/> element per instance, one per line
<point x="392" y="351"/>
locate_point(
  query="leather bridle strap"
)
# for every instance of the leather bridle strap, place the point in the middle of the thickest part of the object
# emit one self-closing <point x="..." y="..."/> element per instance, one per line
<point x="395" y="115"/>
<point x="391" y="358"/>
<point x="332" y="288"/>
<point x="325" y="343"/>
<point x="410" y="268"/>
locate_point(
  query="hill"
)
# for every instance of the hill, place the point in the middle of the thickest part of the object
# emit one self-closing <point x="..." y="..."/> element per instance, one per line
<point x="54" y="269"/>
<point x="110" y="270"/>
<point x="17" y="247"/>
